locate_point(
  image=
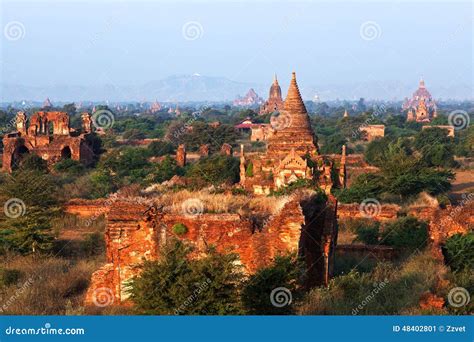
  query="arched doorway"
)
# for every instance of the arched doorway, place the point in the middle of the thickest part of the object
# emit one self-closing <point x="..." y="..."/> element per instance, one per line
<point x="18" y="155"/>
<point x="66" y="153"/>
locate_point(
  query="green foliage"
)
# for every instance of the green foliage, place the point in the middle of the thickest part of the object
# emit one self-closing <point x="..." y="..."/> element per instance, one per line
<point x="180" y="229"/>
<point x="435" y="147"/>
<point x="102" y="183"/>
<point x="164" y="171"/>
<point x="93" y="244"/>
<point x="33" y="162"/>
<point x="464" y="142"/>
<point x="35" y="195"/>
<point x="216" y="169"/>
<point x="202" y="134"/>
<point x="333" y="144"/>
<point x="401" y="174"/>
<point x="160" y="148"/>
<point x="256" y="296"/>
<point x="406" y="232"/>
<point x="249" y="170"/>
<point x="367" y="185"/>
<point x="299" y="184"/>
<point x="368" y="235"/>
<point x="128" y="164"/>
<point x="238" y="191"/>
<point x="459" y="252"/>
<point x="387" y="290"/>
<point x="376" y="150"/>
<point x="178" y="285"/>
<point x="70" y="167"/>
<point x="133" y="134"/>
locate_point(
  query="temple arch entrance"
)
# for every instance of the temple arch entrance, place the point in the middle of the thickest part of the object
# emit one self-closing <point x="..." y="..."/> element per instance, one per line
<point x="66" y="153"/>
<point x="18" y="155"/>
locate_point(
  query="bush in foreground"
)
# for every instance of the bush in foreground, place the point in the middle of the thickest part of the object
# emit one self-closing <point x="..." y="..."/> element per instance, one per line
<point x="178" y="285"/>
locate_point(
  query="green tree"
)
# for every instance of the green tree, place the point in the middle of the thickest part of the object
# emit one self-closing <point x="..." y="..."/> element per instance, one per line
<point x="333" y="144"/>
<point x="164" y="171"/>
<point x="436" y="147"/>
<point x="215" y="170"/>
<point x="129" y="164"/>
<point x="459" y="251"/>
<point x="177" y="284"/>
<point x="258" y="295"/>
<point x="103" y="183"/>
<point x="30" y="201"/>
<point x="406" y="232"/>
<point x="33" y="162"/>
<point x="160" y="148"/>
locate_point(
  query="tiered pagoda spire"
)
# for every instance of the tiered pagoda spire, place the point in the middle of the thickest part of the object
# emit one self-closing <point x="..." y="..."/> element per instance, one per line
<point x="292" y="127"/>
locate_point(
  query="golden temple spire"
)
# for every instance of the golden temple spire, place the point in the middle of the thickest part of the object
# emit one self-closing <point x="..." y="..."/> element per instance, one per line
<point x="294" y="102"/>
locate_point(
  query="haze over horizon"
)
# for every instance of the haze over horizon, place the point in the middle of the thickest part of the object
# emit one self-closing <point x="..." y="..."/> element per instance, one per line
<point x="339" y="49"/>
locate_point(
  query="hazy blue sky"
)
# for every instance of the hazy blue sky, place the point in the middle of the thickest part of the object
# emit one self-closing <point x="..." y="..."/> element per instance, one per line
<point x="124" y="42"/>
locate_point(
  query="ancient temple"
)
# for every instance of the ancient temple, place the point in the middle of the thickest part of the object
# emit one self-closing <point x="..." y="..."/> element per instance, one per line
<point x="155" y="107"/>
<point x="250" y="99"/>
<point x="48" y="135"/>
<point x="421" y="107"/>
<point x="292" y="152"/>
<point x="275" y="101"/>
<point x="47" y="103"/>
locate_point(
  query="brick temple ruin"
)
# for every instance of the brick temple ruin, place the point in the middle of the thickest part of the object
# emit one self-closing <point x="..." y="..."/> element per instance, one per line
<point x="48" y="135"/>
<point x="136" y="229"/>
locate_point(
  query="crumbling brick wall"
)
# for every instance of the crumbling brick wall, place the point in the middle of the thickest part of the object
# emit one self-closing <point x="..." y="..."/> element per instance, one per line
<point x="135" y="233"/>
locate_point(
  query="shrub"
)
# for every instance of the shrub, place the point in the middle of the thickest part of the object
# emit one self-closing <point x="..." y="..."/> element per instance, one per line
<point x="459" y="251"/>
<point x="69" y="166"/>
<point x="406" y="232"/>
<point x="387" y="290"/>
<point x="368" y="234"/>
<point x="214" y="170"/>
<point x="33" y="162"/>
<point x="178" y="285"/>
<point x="180" y="229"/>
<point x="10" y="276"/>
<point x="257" y="292"/>
<point x="93" y="244"/>
<point x="160" y="148"/>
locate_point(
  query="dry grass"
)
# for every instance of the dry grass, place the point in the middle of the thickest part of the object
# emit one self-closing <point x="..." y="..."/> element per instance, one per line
<point x="46" y="286"/>
<point x="222" y="202"/>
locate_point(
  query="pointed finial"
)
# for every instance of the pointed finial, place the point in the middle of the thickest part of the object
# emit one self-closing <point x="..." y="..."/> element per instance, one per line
<point x="293" y="75"/>
<point x="422" y="82"/>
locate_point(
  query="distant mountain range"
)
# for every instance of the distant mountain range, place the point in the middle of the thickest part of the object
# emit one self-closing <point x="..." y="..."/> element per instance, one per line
<point x="183" y="88"/>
